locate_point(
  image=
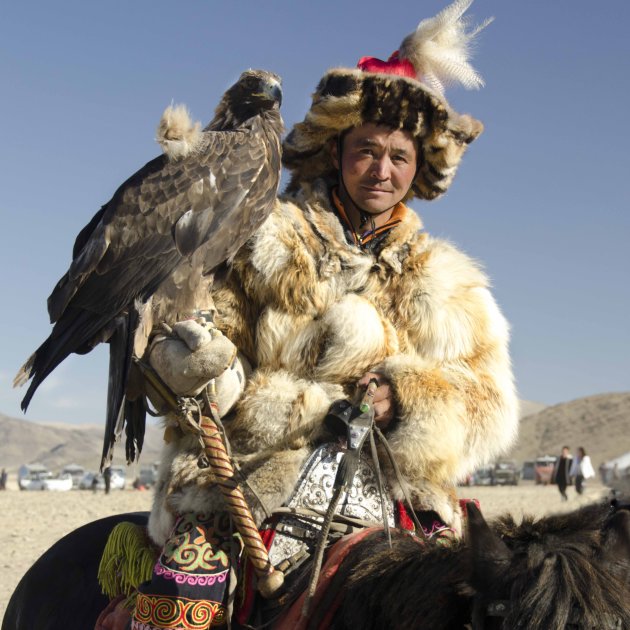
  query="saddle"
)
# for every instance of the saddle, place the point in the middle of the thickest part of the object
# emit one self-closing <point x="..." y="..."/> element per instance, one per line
<point x="340" y="496"/>
<point x="292" y="533"/>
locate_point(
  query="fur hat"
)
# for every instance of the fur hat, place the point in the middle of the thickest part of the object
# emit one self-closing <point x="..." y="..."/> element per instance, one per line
<point x="403" y="93"/>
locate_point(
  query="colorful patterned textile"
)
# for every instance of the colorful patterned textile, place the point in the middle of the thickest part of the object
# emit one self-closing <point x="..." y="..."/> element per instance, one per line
<point x="433" y="526"/>
<point x="190" y="579"/>
<point x="292" y="619"/>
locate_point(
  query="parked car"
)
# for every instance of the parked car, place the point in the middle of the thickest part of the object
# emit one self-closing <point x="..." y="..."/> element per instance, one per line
<point x="87" y="480"/>
<point x="543" y="469"/>
<point x="121" y="472"/>
<point x="96" y="481"/>
<point x="76" y="472"/>
<point x="528" y="471"/>
<point x="147" y="477"/>
<point x="29" y="473"/>
<point x="506" y="473"/>
<point x="60" y="483"/>
<point x="483" y="476"/>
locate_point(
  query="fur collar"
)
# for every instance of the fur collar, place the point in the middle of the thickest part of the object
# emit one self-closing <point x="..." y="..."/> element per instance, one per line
<point x="315" y="203"/>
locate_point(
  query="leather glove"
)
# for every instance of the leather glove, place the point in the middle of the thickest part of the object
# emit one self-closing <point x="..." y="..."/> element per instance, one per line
<point x="191" y="356"/>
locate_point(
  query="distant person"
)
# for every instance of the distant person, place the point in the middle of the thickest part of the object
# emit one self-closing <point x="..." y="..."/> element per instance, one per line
<point x="581" y="469"/>
<point x="107" y="477"/>
<point x="3" y="479"/>
<point x="561" y="472"/>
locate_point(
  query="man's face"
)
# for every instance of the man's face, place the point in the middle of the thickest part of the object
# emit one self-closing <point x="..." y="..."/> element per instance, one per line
<point x="378" y="165"/>
<point x="565" y="452"/>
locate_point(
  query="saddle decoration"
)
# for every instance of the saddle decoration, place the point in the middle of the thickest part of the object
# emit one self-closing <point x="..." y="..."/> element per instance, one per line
<point x="329" y="488"/>
<point x="203" y="419"/>
<point x="127" y="560"/>
<point x="297" y="528"/>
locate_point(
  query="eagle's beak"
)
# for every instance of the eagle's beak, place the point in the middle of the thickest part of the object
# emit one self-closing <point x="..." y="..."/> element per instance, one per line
<point x="271" y="90"/>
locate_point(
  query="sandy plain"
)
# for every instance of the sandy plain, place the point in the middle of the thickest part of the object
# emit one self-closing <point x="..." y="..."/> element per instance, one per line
<point x="30" y="522"/>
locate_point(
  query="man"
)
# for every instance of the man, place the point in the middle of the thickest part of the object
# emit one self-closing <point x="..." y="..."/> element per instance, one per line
<point x="107" y="477"/>
<point x="338" y="287"/>
<point x="561" y="470"/>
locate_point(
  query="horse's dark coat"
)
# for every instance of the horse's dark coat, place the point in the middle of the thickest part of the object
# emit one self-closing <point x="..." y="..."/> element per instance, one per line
<point x="60" y="591"/>
<point x="558" y="570"/>
<point x="546" y="571"/>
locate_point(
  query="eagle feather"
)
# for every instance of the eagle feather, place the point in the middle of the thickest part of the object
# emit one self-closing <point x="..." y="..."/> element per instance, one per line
<point x="149" y="253"/>
<point x="440" y="48"/>
<point x="177" y="134"/>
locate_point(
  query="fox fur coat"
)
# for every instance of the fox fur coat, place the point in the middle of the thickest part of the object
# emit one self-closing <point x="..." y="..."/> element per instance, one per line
<point x="313" y="313"/>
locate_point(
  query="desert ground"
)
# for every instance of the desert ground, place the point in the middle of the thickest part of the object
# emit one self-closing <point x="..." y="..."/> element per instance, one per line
<point x="30" y="522"/>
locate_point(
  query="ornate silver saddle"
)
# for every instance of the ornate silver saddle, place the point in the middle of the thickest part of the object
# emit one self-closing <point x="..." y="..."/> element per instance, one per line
<point x="298" y="524"/>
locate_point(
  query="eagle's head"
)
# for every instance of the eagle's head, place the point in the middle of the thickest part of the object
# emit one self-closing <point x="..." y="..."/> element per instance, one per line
<point x="255" y="92"/>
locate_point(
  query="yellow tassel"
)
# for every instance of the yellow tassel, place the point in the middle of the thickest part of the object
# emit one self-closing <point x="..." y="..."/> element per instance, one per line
<point x="127" y="561"/>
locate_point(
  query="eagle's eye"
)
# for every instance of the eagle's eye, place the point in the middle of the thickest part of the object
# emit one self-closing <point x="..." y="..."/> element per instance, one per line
<point x="251" y="82"/>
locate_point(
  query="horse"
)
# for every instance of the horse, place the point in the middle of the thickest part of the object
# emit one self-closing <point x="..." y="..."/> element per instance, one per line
<point x="561" y="571"/>
<point x="61" y="589"/>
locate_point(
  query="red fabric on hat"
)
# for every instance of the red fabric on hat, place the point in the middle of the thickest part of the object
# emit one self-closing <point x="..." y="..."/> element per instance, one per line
<point x="394" y="65"/>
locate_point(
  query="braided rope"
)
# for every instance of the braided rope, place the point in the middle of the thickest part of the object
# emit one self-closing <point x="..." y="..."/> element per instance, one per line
<point x="269" y="579"/>
<point x="215" y="452"/>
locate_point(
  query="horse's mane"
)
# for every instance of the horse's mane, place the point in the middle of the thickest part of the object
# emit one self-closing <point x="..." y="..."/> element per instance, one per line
<point x="412" y="585"/>
<point x="554" y="571"/>
<point x="560" y="571"/>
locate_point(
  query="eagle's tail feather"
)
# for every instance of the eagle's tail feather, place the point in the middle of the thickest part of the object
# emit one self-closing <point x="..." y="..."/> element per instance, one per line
<point x="39" y="365"/>
<point x="135" y="417"/>
<point x="120" y="356"/>
<point x="24" y="373"/>
<point x="75" y="332"/>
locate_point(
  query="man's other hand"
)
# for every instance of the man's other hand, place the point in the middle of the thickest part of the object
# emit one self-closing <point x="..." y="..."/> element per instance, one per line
<point x="384" y="404"/>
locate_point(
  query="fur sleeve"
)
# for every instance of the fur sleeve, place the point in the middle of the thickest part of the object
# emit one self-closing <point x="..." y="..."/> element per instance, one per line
<point x="236" y="314"/>
<point x="279" y="410"/>
<point x="456" y="401"/>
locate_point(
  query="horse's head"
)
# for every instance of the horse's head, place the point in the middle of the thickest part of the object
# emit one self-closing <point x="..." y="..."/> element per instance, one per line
<point x="616" y="541"/>
<point x="554" y="573"/>
<point x="492" y="560"/>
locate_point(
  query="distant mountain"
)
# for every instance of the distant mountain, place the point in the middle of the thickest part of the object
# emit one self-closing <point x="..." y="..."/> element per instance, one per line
<point x="26" y="442"/>
<point x="601" y="424"/>
<point x="528" y="407"/>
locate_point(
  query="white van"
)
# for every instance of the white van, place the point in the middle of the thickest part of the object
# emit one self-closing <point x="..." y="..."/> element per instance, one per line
<point x="32" y="474"/>
<point x="76" y="472"/>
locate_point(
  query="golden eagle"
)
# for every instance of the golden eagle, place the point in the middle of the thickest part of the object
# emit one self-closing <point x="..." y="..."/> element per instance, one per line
<point x="150" y="251"/>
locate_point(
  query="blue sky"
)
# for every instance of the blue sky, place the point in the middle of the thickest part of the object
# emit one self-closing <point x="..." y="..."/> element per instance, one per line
<point x="541" y="198"/>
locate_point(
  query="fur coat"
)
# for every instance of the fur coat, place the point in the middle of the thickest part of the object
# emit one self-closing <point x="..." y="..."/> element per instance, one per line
<point x="313" y="313"/>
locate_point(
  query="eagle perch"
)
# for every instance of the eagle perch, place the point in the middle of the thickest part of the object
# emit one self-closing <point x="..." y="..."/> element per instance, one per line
<point x="150" y="251"/>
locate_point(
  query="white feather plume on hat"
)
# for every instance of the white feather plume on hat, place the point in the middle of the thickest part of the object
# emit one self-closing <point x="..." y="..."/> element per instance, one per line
<point x="440" y="48"/>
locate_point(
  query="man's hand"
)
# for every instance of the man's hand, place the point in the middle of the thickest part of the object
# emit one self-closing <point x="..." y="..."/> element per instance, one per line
<point x="384" y="404"/>
<point x="190" y="356"/>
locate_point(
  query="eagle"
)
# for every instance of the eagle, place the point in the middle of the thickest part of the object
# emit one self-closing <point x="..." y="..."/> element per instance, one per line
<point x="150" y="252"/>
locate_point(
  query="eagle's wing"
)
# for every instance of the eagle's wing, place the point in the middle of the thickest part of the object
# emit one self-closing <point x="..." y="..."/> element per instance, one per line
<point x="164" y="212"/>
<point x="229" y="230"/>
<point x="207" y="234"/>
